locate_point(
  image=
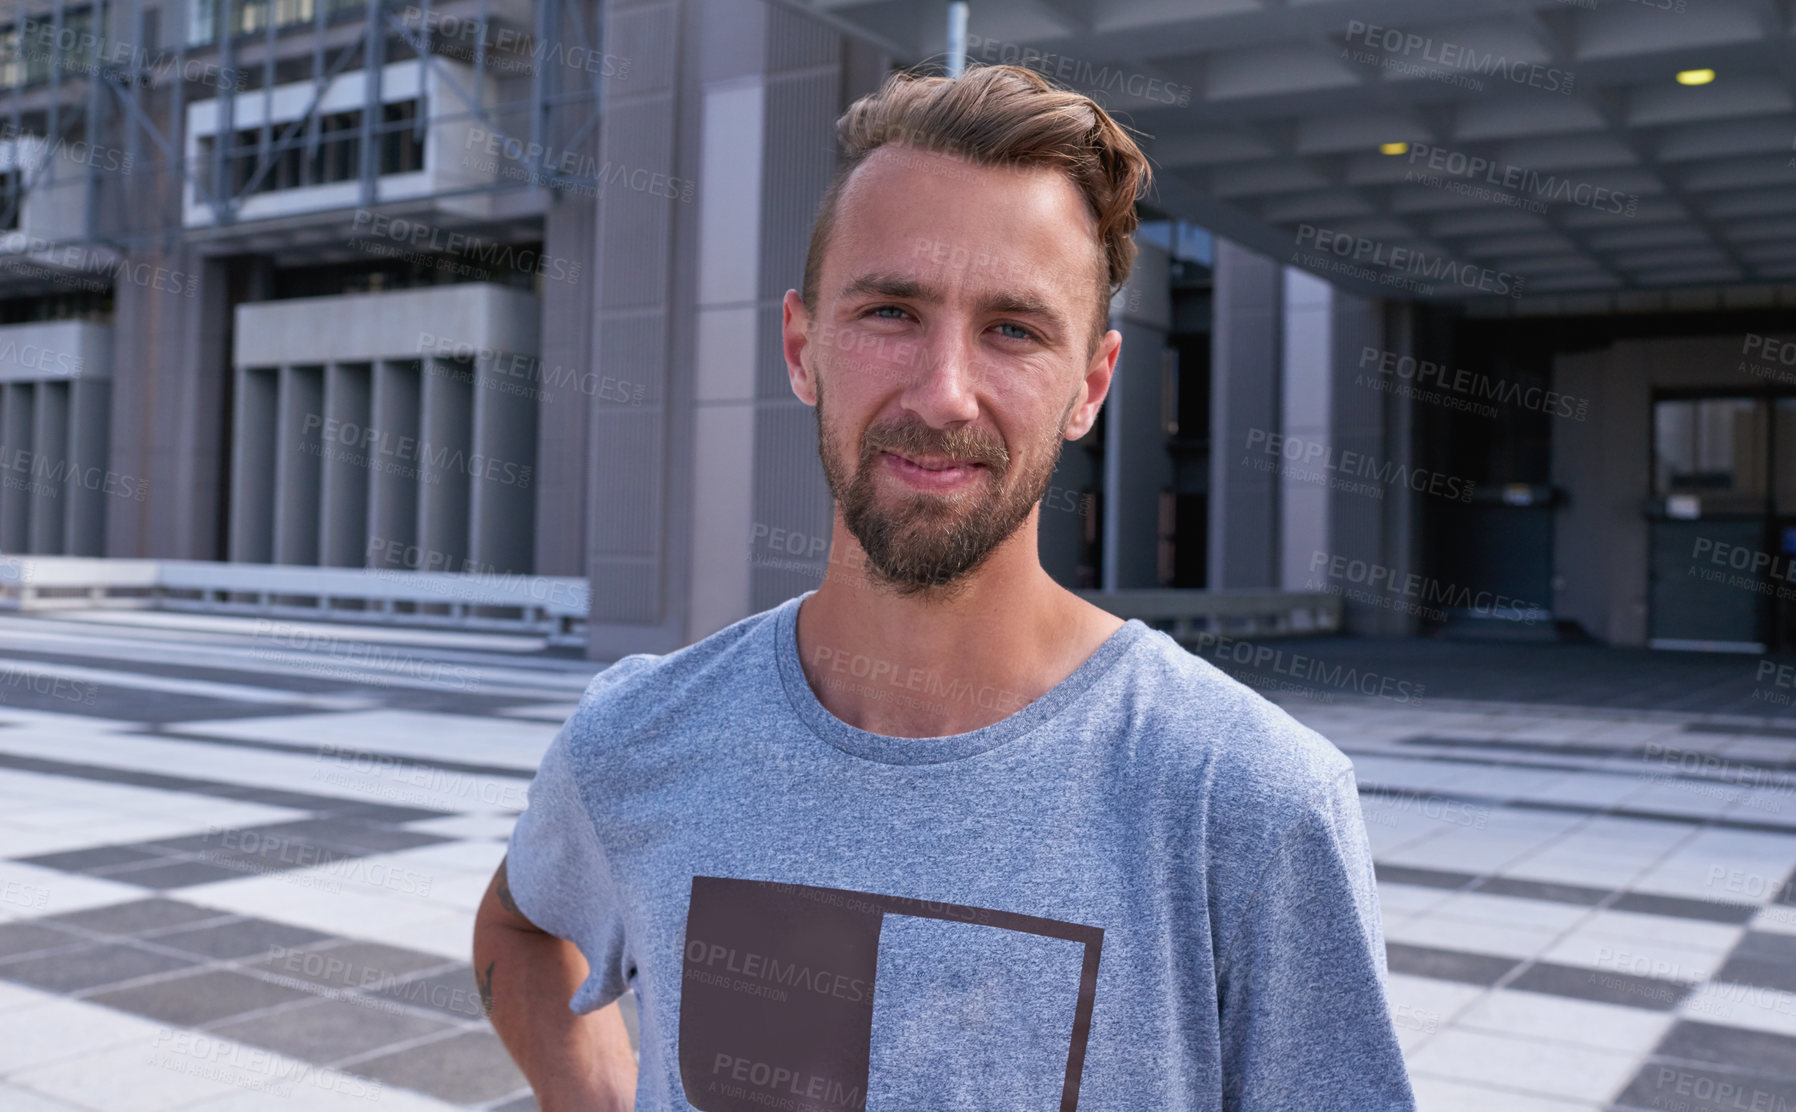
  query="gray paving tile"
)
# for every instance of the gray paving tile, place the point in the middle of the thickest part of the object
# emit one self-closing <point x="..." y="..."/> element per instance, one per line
<point x="353" y="834"/>
<point x="199" y="998"/>
<point x="1732" y="1047"/>
<point x="98" y="857"/>
<point x="1680" y="907"/>
<point x="137" y="916"/>
<point x="1762" y="959"/>
<point x="521" y="1104"/>
<point x="174" y="874"/>
<point x="1544" y="890"/>
<point x="26" y="937"/>
<point x="1602" y="986"/>
<point x="89" y="967"/>
<point x="465" y="1069"/>
<point x="452" y="993"/>
<point x="329" y="1030"/>
<point x="1446" y="965"/>
<point x="1669" y="1086"/>
<point x="1426" y="878"/>
<point x="240" y="939"/>
<point x="349" y="966"/>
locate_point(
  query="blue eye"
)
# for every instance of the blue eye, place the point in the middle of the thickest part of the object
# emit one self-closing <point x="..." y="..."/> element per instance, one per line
<point x="1026" y="334"/>
<point x="893" y="308"/>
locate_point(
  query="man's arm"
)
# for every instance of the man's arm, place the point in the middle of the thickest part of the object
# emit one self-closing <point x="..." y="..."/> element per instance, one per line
<point x="526" y="978"/>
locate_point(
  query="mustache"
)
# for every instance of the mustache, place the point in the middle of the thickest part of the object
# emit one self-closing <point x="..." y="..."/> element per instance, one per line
<point x="917" y="439"/>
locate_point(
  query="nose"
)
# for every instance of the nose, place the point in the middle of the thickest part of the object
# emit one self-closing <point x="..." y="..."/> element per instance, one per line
<point x="941" y="391"/>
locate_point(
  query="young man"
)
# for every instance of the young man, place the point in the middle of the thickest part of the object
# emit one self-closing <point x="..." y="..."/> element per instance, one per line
<point x="939" y="835"/>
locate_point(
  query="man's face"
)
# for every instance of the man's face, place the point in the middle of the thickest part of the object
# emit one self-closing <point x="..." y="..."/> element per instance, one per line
<point x="951" y="356"/>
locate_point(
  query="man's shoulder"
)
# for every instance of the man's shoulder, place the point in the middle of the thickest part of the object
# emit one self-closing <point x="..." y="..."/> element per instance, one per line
<point x="641" y="687"/>
<point x="1247" y="751"/>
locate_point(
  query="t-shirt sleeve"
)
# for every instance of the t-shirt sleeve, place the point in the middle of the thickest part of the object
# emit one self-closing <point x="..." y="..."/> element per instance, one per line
<point x="560" y="878"/>
<point x="1301" y="980"/>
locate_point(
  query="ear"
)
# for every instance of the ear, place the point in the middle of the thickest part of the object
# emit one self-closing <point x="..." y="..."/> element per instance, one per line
<point x="795" y="323"/>
<point x="1096" y="385"/>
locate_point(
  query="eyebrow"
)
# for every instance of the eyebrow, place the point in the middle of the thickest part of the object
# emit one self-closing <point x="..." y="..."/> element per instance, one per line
<point x="904" y="288"/>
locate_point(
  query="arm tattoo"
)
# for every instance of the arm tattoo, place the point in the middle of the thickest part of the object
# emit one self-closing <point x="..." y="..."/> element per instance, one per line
<point x="504" y="890"/>
<point x="486" y="989"/>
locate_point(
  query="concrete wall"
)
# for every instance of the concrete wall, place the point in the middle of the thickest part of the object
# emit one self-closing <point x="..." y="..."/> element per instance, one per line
<point x="1604" y="463"/>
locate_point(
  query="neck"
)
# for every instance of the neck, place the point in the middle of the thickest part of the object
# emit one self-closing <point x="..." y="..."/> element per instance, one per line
<point x="945" y="661"/>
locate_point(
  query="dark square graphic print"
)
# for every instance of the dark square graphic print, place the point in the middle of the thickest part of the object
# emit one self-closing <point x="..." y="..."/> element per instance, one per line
<point x="782" y="985"/>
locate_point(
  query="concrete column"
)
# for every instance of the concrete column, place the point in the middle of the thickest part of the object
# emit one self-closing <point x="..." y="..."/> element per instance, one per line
<point x="298" y="466"/>
<point x="253" y="464"/>
<point x="559" y="485"/>
<point x="1137" y="468"/>
<point x="343" y="505"/>
<point x="1246" y="371"/>
<point x="16" y="477"/>
<point x="50" y="446"/>
<point x="90" y="401"/>
<point x="1306" y="416"/>
<point x="445" y="444"/>
<point x="170" y="420"/>
<point x="738" y="99"/>
<point x="501" y="499"/>
<point x="393" y="503"/>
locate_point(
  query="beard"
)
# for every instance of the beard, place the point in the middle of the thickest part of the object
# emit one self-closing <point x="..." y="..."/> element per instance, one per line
<point x="924" y="543"/>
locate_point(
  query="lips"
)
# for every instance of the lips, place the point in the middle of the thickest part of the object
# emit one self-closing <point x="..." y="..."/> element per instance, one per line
<point x="937" y="465"/>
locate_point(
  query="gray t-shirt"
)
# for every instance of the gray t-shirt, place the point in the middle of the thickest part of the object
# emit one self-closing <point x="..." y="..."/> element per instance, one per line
<point x="1149" y="889"/>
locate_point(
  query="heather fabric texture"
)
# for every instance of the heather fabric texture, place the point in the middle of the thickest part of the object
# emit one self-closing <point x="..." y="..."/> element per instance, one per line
<point x="1148" y="813"/>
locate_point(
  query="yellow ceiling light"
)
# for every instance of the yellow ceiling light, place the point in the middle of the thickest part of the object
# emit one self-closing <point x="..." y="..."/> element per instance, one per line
<point x="1696" y="77"/>
<point x="1393" y="148"/>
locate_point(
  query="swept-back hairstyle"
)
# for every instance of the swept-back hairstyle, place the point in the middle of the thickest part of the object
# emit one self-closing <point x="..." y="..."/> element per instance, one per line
<point x="999" y="116"/>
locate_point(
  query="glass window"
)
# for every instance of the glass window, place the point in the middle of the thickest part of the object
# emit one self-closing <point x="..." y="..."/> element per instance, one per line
<point x="1714" y="448"/>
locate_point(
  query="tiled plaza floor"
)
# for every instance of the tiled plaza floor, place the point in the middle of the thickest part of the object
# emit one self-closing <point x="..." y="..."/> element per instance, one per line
<point x="239" y="861"/>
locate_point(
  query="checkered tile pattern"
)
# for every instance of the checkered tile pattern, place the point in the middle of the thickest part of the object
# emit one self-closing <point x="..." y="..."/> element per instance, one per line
<point x="232" y="880"/>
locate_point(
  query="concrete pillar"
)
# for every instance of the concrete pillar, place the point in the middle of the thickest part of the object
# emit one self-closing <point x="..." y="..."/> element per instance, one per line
<point x="393" y="502"/>
<point x="501" y="501"/>
<point x="16" y="403"/>
<point x="1305" y="415"/>
<point x="1246" y="369"/>
<point x="719" y="454"/>
<point x="253" y="465"/>
<point x="50" y="444"/>
<point x="343" y="496"/>
<point x="446" y="441"/>
<point x="300" y="448"/>
<point x="1137" y="468"/>
<point x="170" y="420"/>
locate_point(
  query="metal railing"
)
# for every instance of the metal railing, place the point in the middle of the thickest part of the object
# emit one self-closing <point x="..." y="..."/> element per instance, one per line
<point x="553" y="607"/>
